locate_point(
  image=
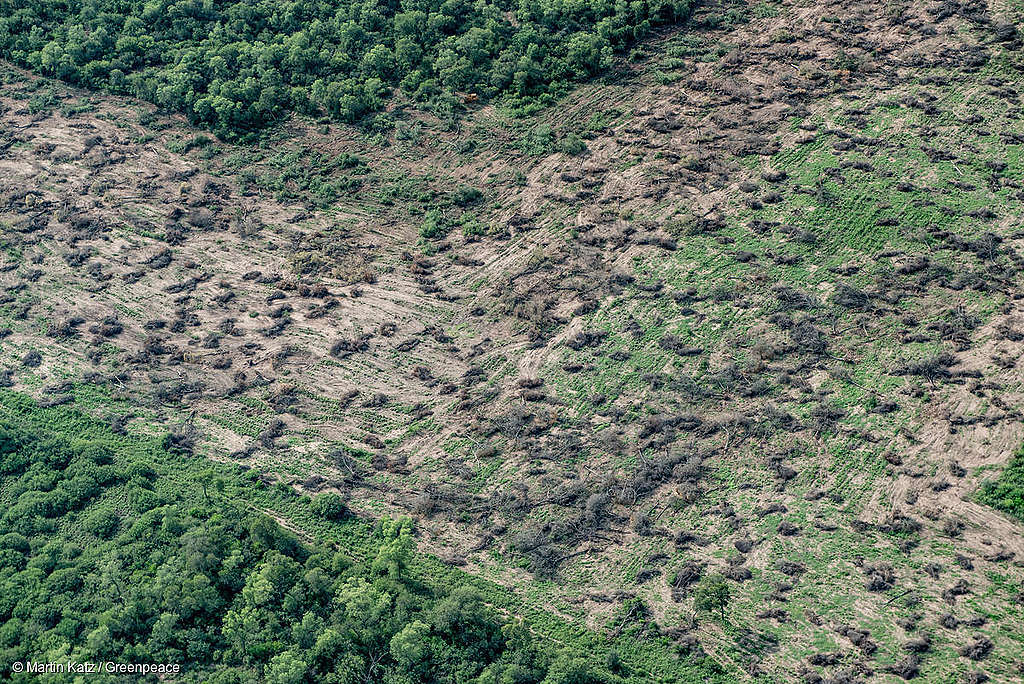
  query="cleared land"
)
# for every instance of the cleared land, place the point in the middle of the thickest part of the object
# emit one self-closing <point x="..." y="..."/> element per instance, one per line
<point x="752" y="307"/>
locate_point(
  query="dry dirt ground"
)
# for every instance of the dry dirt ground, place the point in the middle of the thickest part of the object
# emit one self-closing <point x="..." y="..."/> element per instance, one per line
<point x="767" y="324"/>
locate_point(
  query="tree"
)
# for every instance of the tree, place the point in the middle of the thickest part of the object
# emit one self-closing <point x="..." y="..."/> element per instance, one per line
<point x="463" y="617"/>
<point x="409" y="647"/>
<point x="587" y="54"/>
<point x="396" y="549"/>
<point x="286" y="668"/>
<point x="713" y="594"/>
<point x="207" y="477"/>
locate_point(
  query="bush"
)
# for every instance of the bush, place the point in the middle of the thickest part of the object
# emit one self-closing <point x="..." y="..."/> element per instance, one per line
<point x="572" y="145"/>
<point x="329" y="506"/>
<point x="434" y="225"/>
<point x="466" y="195"/>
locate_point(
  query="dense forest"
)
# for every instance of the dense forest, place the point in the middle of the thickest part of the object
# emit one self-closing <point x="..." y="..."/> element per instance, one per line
<point x="236" y="66"/>
<point x="100" y="561"/>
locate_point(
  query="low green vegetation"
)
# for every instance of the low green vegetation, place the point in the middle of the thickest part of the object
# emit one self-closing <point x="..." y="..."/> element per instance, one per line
<point x="1007" y="493"/>
<point x="238" y="66"/>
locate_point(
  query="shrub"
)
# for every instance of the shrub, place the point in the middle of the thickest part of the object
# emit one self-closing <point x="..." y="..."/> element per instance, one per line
<point x="572" y="145"/>
<point x="466" y="195"/>
<point x="329" y="506"/>
<point x="434" y="225"/>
